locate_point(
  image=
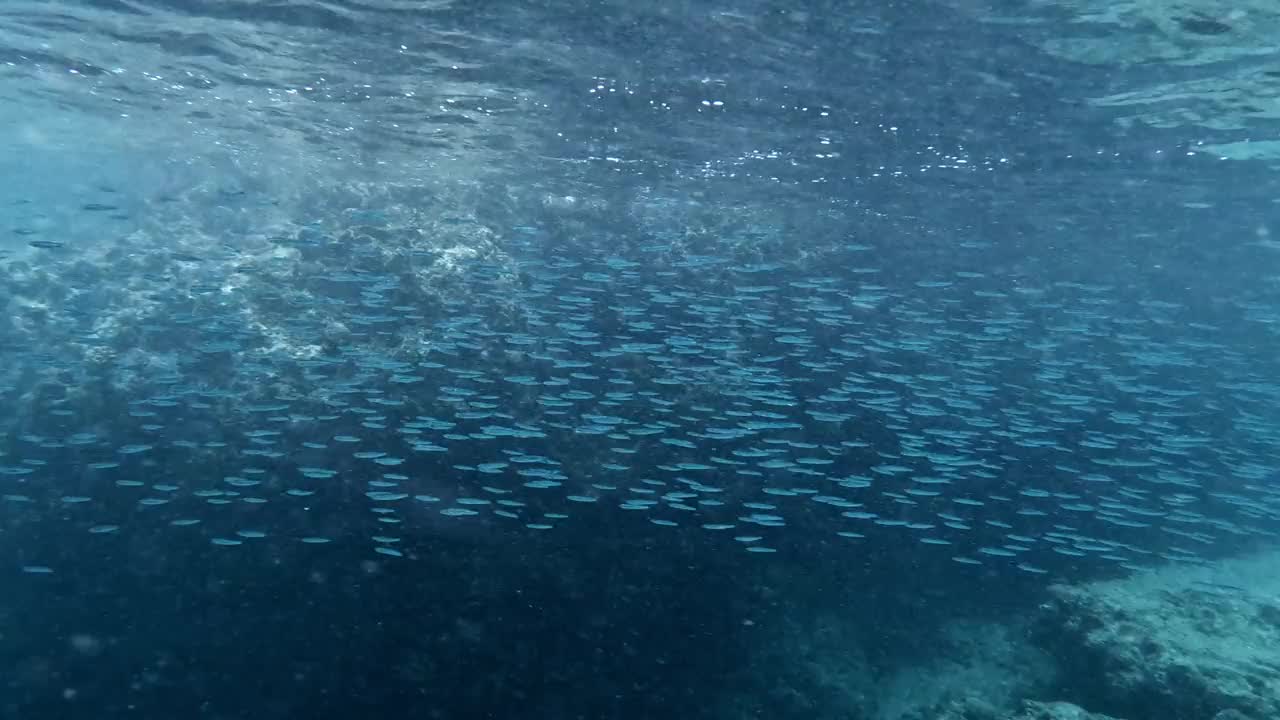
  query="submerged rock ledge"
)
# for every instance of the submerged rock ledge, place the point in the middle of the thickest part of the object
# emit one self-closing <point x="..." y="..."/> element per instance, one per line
<point x="1180" y="642"/>
<point x="1175" y="642"/>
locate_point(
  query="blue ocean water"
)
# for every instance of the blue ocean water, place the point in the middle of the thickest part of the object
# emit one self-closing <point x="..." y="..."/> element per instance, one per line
<point x="605" y="360"/>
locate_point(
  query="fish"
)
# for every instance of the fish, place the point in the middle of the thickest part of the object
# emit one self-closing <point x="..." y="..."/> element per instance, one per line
<point x="351" y="382"/>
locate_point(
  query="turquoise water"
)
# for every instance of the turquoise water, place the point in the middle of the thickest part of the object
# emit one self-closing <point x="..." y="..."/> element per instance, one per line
<point x="571" y="360"/>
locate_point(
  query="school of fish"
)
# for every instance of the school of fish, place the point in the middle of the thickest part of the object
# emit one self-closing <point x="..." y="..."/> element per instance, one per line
<point x="342" y="384"/>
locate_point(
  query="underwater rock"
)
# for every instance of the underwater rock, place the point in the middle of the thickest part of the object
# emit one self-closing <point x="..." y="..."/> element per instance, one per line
<point x="976" y="709"/>
<point x="1173" y="642"/>
<point x="816" y="668"/>
<point x="1056" y="711"/>
<point x="975" y="671"/>
<point x="969" y="708"/>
